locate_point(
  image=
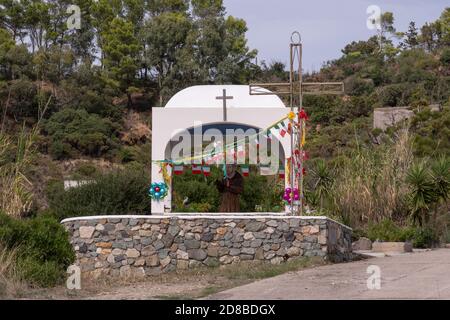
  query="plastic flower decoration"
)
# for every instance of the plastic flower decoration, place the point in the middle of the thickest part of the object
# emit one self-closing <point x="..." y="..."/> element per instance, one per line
<point x="291" y="115"/>
<point x="158" y="190"/>
<point x="289" y="194"/>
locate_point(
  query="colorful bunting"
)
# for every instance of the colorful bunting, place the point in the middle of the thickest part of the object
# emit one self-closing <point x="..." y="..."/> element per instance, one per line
<point x="245" y="171"/>
<point x="196" y="169"/>
<point x="178" y="169"/>
<point x="206" y="171"/>
<point x="281" y="173"/>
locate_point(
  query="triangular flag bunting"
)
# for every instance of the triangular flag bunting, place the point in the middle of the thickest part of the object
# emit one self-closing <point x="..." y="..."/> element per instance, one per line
<point x="196" y="169"/>
<point x="178" y="169"/>
<point x="245" y="171"/>
<point x="206" y="171"/>
<point x="281" y="173"/>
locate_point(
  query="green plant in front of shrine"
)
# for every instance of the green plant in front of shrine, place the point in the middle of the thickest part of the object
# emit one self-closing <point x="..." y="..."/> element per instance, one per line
<point x="119" y="192"/>
<point x="41" y="247"/>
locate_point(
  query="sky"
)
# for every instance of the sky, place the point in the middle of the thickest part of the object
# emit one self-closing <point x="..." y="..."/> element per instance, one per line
<point x="326" y="26"/>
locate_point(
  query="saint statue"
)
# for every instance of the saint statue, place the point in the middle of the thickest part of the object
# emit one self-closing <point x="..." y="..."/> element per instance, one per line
<point x="230" y="187"/>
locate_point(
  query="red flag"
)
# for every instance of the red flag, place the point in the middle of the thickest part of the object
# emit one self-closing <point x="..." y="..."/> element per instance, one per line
<point x="245" y="171"/>
<point x="196" y="169"/>
<point x="206" y="171"/>
<point x="178" y="169"/>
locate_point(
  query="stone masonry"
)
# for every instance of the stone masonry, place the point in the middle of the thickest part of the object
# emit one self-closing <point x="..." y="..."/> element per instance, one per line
<point x="151" y="245"/>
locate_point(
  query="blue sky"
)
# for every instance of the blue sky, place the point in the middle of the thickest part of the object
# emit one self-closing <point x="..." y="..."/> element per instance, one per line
<point x="326" y="26"/>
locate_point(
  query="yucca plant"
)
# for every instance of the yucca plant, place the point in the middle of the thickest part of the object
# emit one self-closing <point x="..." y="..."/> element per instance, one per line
<point x="323" y="180"/>
<point x="440" y="174"/>
<point x="422" y="191"/>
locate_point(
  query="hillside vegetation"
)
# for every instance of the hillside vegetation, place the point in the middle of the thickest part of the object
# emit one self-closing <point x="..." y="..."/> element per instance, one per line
<point x="77" y="104"/>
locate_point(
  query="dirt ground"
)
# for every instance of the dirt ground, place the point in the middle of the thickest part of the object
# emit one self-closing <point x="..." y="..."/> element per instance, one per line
<point x="191" y="284"/>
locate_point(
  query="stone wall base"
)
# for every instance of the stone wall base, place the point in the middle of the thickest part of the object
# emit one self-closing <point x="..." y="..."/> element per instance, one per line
<point x="150" y="245"/>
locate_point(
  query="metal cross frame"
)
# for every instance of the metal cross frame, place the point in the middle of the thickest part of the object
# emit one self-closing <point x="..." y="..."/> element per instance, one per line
<point x="296" y="88"/>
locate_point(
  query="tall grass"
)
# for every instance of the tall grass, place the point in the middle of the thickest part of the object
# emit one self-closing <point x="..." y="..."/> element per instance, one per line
<point x="16" y="197"/>
<point x="10" y="283"/>
<point x="369" y="185"/>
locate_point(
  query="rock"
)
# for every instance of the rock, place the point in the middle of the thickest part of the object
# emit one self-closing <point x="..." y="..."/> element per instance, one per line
<point x="152" y="261"/>
<point x="254" y="226"/>
<point x="392" y="247"/>
<point x="158" y="244"/>
<point x="249" y="236"/>
<point x="183" y="255"/>
<point x="226" y="259"/>
<point x="145" y="233"/>
<point x="105" y="245"/>
<point x="173" y="230"/>
<point x="259" y="254"/>
<point x="213" y="251"/>
<point x="314" y="230"/>
<point x="86" y="232"/>
<point x="272" y="223"/>
<point x="164" y="262"/>
<point x="120" y="227"/>
<point x="322" y="239"/>
<point x="138" y="272"/>
<point x="83" y="248"/>
<point x="207" y="237"/>
<point x="117" y="252"/>
<point x="248" y="251"/>
<point x="132" y="253"/>
<point x="362" y="244"/>
<point x="125" y="271"/>
<point x="148" y="250"/>
<point x="182" y="264"/>
<point x="197" y="254"/>
<point x="139" y="262"/>
<point x="276" y="260"/>
<point x="192" y="244"/>
<point x="120" y="258"/>
<point x="293" y="251"/>
<point x="235" y="252"/>
<point x="212" y="262"/>
<point x="99" y="227"/>
<point x="221" y="230"/>
<point x="110" y="259"/>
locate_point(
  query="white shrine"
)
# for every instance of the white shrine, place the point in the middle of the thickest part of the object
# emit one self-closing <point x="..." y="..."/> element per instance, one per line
<point x="212" y="106"/>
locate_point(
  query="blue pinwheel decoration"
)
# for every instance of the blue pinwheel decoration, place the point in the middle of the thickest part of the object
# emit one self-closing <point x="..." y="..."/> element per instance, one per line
<point x="158" y="190"/>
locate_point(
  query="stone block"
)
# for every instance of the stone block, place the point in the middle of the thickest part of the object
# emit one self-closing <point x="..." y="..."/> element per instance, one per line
<point x="86" y="232"/>
<point x="392" y="247"/>
<point x="362" y="244"/>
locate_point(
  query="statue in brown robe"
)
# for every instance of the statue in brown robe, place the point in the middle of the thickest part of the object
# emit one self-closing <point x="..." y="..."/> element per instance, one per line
<point x="230" y="187"/>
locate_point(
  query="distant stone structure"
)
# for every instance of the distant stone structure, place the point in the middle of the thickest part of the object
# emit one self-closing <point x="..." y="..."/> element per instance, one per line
<point x="384" y="118"/>
<point x="69" y="184"/>
<point x="151" y="245"/>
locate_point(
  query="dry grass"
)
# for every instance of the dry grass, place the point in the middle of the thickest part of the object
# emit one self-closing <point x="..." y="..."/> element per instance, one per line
<point x="10" y="284"/>
<point x="371" y="185"/>
<point x="16" y="194"/>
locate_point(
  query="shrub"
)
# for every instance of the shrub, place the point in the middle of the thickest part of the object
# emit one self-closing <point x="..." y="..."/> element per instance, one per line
<point x="386" y="230"/>
<point x="43" y="248"/>
<point x="73" y="130"/>
<point x="120" y="192"/>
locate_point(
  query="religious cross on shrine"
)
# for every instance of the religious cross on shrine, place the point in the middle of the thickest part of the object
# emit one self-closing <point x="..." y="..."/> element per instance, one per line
<point x="224" y="98"/>
<point x="295" y="89"/>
